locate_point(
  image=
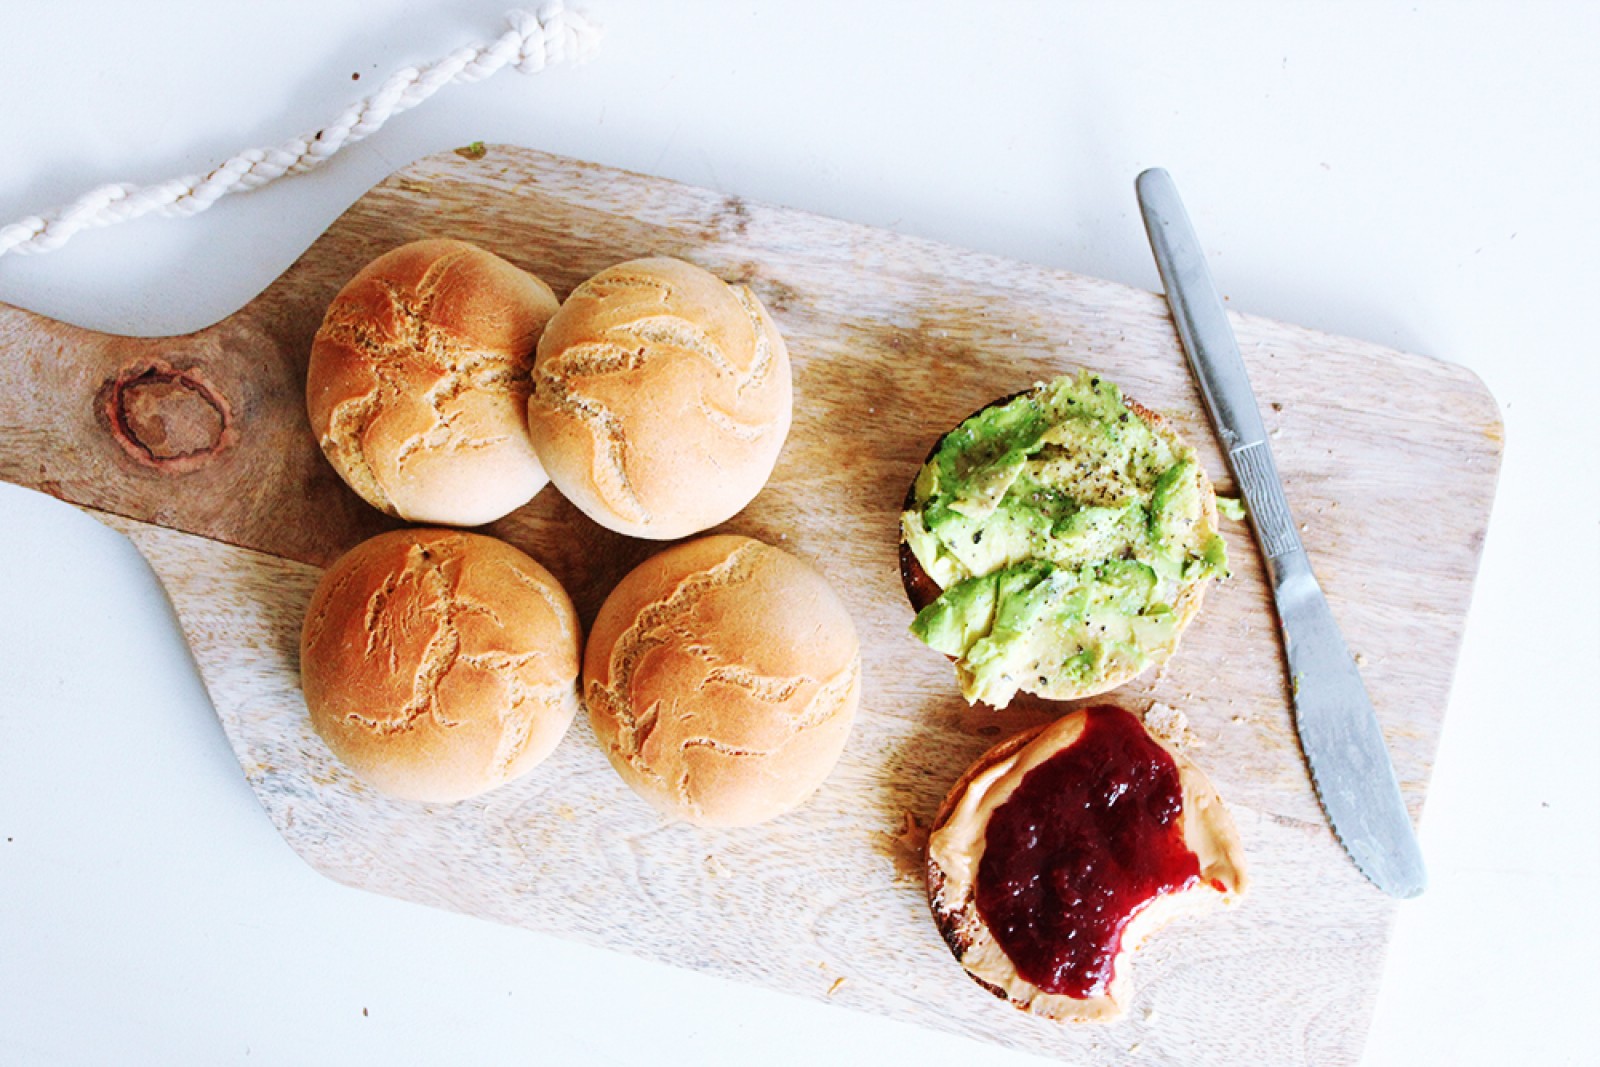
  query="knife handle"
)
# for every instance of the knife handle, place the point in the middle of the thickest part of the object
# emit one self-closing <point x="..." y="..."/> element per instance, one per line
<point x="1259" y="483"/>
<point x="1213" y="353"/>
<point x="1197" y="309"/>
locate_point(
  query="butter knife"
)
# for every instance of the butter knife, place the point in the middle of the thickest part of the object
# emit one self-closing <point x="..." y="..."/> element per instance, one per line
<point x="1338" y="727"/>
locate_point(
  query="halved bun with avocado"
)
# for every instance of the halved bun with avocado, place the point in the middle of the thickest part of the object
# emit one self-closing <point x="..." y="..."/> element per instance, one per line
<point x="1058" y="542"/>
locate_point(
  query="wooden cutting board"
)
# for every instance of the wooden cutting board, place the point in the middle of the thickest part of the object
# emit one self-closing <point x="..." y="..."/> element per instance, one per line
<point x="197" y="448"/>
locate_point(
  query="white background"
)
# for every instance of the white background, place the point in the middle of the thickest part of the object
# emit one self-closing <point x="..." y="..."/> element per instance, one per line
<point x="1421" y="175"/>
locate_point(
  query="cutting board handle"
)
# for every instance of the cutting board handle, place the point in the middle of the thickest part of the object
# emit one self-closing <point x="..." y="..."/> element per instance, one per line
<point x="204" y="432"/>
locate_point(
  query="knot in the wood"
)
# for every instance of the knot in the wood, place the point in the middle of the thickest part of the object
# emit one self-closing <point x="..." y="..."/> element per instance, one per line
<point x="166" y="418"/>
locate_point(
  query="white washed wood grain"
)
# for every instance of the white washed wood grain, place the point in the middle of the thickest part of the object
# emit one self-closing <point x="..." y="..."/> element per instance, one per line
<point x="1390" y="459"/>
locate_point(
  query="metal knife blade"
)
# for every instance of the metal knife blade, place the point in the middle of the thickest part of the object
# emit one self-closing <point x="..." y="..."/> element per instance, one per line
<point x="1333" y="714"/>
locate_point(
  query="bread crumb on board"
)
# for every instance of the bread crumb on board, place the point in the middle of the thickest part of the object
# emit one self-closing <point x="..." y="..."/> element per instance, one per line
<point x="908" y="847"/>
<point x="837" y="982"/>
<point x="1168" y="724"/>
<point x="913" y="836"/>
<point x="715" y="867"/>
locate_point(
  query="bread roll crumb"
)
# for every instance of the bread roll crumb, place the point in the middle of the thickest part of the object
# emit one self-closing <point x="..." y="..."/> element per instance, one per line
<point x="1170" y="725"/>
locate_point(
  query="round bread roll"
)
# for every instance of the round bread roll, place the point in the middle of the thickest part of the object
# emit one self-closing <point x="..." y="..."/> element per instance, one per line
<point x="721" y="678"/>
<point x="1075" y="863"/>
<point x="418" y="384"/>
<point x="438" y="664"/>
<point x="661" y="398"/>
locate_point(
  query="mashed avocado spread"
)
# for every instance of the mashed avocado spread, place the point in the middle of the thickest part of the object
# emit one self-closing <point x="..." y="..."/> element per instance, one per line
<point x="1063" y="529"/>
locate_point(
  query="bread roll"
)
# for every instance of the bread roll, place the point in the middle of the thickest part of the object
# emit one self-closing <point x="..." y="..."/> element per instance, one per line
<point x="438" y="664"/>
<point x="721" y="678"/>
<point x="418" y="384"/>
<point x="661" y="398"/>
<point x="1119" y="814"/>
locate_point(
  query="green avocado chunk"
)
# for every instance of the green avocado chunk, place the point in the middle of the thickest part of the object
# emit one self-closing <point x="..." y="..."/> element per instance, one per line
<point x="1061" y="528"/>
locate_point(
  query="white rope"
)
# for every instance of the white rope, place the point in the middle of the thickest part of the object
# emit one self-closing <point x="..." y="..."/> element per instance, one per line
<point x="531" y="44"/>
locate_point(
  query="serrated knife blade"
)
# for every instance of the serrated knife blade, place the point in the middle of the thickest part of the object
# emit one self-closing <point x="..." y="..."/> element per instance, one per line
<point x="1333" y="714"/>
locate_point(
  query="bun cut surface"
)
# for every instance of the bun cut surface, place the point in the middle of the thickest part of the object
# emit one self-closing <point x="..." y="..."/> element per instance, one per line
<point x="1062" y="849"/>
<point x="1058" y="542"/>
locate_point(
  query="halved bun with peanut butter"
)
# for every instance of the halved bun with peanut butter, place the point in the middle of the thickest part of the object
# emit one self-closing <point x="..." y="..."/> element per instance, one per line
<point x="1061" y="849"/>
<point x="1058" y="542"/>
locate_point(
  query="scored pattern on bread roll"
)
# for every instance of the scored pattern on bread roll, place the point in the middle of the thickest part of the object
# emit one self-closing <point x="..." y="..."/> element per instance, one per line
<point x="761" y="365"/>
<point x="437" y="664"/>
<point x="831" y="698"/>
<point x="822" y="706"/>
<point x="653" y="628"/>
<point x="610" y="440"/>
<point x="444" y="607"/>
<point x="615" y="282"/>
<point x="519" y="728"/>
<point x="628" y="345"/>
<point x="664" y="623"/>
<point x="459" y="364"/>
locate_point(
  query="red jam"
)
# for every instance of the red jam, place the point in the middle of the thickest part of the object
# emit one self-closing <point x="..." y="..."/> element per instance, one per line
<point x="1088" y="838"/>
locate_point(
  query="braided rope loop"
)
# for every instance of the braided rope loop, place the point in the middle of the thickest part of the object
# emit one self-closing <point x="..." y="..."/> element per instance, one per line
<point x="532" y="43"/>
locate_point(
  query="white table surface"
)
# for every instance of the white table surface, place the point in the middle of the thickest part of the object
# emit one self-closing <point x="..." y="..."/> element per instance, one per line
<point x="1420" y="175"/>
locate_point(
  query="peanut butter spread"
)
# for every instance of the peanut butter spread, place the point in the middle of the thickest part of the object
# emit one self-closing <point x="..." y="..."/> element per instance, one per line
<point x="956" y="856"/>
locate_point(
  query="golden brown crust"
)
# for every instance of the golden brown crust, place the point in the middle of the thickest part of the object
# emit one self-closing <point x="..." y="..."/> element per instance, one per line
<point x="954" y="853"/>
<point x="438" y="664"/>
<point x="922" y="590"/>
<point x="418" y="383"/>
<point x="721" y="678"/>
<point x="661" y="398"/>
